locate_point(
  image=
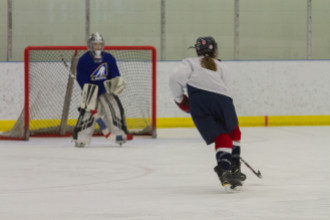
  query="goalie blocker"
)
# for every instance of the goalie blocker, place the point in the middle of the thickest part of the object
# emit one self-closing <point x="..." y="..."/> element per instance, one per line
<point x="105" y="110"/>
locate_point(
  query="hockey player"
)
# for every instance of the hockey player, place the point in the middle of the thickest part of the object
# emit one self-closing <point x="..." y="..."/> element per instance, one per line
<point x="206" y="81"/>
<point x="100" y="81"/>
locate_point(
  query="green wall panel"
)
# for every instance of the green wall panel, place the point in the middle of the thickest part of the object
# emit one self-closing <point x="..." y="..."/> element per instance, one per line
<point x="268" y="29"/>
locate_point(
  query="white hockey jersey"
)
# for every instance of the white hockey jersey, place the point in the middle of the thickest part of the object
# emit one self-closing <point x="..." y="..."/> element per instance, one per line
<point x="190" y="72"/>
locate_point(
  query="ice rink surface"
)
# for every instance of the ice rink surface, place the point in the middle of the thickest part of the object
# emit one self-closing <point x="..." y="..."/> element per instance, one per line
<point x="170" y="177"/>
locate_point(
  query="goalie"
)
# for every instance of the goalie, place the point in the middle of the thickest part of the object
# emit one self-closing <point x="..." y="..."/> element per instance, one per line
<point x="101" y="83"/>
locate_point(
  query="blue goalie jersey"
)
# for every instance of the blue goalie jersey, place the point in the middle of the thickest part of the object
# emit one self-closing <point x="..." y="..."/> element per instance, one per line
<point x="89" y="71"/>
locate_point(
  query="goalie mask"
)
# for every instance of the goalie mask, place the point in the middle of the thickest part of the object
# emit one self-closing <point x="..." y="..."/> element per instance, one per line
<point x="206" y="46"/>
<point x="95" y="44"/>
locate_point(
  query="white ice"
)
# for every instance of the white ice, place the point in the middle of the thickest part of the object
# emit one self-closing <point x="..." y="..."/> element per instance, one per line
<point x="168" y="178"/>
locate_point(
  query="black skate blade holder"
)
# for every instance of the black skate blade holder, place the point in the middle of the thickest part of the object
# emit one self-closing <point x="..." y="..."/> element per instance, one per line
<point x="258" y="174"/>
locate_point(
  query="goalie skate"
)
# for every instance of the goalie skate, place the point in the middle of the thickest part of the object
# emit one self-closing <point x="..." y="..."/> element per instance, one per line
<point x="121" y="139"/>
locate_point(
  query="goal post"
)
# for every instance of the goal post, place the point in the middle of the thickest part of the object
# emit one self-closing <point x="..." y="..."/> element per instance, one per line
<point x="52" y="96"/>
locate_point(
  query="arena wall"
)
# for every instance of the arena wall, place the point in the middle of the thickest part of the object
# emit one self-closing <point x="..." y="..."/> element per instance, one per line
<point x="266" y="93"/>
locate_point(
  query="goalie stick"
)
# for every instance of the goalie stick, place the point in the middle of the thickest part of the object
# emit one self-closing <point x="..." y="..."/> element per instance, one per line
<point x="68" y="93"/>
<point x="67" y="65"/>
<point x="258" y="174"/>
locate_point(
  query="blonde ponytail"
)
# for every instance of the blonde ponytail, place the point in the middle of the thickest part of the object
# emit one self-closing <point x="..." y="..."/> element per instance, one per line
<point x="209" y="63"/>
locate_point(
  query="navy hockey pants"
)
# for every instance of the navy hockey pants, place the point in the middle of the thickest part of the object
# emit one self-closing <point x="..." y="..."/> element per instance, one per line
<point x="212" y="113"/>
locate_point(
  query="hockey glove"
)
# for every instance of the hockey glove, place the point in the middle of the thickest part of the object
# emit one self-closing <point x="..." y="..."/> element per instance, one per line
<point x="115" y="85"/>
<point x="184" y="104"/>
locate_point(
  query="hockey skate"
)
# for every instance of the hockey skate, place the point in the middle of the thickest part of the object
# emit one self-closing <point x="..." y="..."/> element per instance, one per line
<point x="236" y="172"/>
<point x="227" y="180"/>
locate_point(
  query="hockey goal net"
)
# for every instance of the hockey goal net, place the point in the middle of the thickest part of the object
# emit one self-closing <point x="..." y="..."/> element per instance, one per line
<point x="52" y="96"/>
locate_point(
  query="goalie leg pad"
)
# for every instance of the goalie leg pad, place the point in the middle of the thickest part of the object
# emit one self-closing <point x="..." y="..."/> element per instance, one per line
<point x="111" y="113"/>
<point x="84" y="128"/>
<point x="113" y="118"/>
<point x="89" y="97"/>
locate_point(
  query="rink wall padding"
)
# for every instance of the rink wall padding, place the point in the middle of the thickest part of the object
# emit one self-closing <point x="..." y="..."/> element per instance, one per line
<point x="265" y="93"/>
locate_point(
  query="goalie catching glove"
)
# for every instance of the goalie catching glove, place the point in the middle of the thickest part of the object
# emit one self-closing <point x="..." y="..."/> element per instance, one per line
<point x="115" y="86"/>
<point x="184" y="104"/>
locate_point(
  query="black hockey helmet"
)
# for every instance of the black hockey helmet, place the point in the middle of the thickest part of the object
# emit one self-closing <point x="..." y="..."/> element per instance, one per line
<point x="206" y="46"/>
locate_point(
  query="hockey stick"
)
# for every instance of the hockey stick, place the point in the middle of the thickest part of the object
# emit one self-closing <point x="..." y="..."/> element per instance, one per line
<point x="67" y="65"/>
<point x="258" y="174"/>
<point x="68" y="93"/>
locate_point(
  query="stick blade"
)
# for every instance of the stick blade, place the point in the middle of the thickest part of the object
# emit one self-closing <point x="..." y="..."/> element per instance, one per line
<point x="259" y="174"/>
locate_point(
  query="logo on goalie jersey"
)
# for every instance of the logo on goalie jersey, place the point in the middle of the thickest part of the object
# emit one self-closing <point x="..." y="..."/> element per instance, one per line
<point x="100" y="73"/>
